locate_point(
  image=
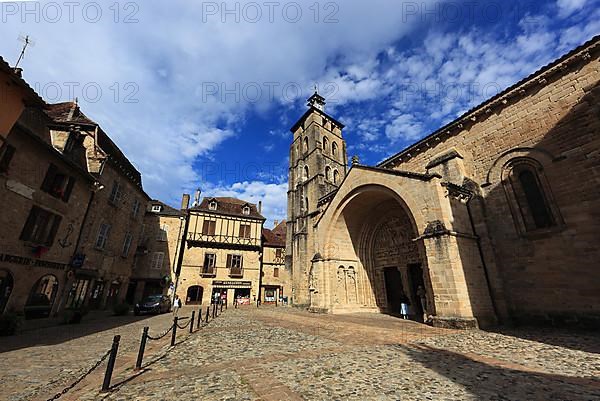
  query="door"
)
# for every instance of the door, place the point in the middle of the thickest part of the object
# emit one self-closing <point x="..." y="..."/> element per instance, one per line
<point x="415" y="275"/>
<point x="194" y="295"/>
<point x="393" y="288"/>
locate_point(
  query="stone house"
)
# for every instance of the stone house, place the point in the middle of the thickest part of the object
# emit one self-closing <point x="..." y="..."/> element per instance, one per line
<point x="157" y="252"/>
<point x="223" y="252"/>
<point x="276" y="280"/>
<point x="491" y="219"/>
<point x="44" y="193"/>
<point x="103" y="262"/>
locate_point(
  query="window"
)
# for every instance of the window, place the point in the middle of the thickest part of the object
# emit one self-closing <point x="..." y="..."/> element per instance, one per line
<point x="305" y="173"/>
<point x="135" y="209"/>
<point x="529" y="196"/>
<point x="162" y="233"/>
<point x="212" y="205"/>
<point x="102" y="237"/>
<point x="245" y="231"/>
<point x="328" y="173"/>
<point x="127" y="245"/>
<point x="157" y="260"/>
<point x="156" y="208"/>
<point x="326" y="144"/>
<point x="306" y="204"/>
<point x="305" y="144"/>
<point x="210" y="261"/>
<point x="58" y="184"/>
<point x="278" y="253"/>
<point x="246" y="210"/>
<point x="276" y="272"/>
<point x="209" y="227"/>
<point x="41" y="227"/>
<point x="336" y="177"/>
<point x="116" y="194"/>
<point x="334" y="149"/>
<point x="234" y="264"/>
<point x="6" y="154"/>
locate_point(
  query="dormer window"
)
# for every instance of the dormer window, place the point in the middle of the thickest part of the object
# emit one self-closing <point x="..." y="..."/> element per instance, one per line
<point x="156" y="208"/>
<point x="212" y="205"/>
<point x="246" y="210"/>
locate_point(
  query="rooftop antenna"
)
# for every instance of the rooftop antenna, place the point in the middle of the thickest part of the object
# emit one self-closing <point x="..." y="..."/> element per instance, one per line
<point x="27" y="41"/>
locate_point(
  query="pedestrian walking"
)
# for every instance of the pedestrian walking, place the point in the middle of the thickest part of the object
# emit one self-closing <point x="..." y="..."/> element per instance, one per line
<point x="176" y="305"/>
<point x="404" y="305"/>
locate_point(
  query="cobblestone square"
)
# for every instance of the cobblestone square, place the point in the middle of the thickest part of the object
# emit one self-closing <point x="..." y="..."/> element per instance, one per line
<point x="287" y="354"/>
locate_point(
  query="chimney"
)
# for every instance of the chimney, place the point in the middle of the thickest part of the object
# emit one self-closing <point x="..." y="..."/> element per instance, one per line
<point x="197" y="198"/>
<point x="276" y="223"/>
<point x="185" y="202"/>
<point x="19" y="72"/>
<point x="259" y="207"/>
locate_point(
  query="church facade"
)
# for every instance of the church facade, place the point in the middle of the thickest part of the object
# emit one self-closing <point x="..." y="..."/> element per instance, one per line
<point x="493" y="218"/>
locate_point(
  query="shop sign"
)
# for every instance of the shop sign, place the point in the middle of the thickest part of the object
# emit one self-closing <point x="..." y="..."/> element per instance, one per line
<point x="21" y="260"/>
<point x="232" y="284"/>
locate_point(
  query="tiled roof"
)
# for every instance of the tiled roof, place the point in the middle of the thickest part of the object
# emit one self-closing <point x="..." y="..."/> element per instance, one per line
<point x="273" y="238"/>
<point x="229" y="206"/>
<point x="34" y="98"/>
<point x="166" y="210"/>
<point x="70" y="113"/>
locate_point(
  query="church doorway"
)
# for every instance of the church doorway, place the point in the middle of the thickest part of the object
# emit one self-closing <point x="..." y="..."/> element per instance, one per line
<point x="415" y="277"/>
<point x="394" y="290"/>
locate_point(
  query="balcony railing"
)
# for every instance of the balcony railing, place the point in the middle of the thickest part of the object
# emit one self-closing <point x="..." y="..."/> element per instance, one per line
<point x="223" y="239"/>
<point x="208" y="271"/>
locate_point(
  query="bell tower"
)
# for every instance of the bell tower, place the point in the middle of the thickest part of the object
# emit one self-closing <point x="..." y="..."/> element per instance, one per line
<point x="318" y="165"/>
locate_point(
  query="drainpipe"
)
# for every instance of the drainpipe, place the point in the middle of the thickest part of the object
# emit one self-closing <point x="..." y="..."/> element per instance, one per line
<point x="63" y="299"/>
<point x="480" y="249"/>
<point x="181" y="250"/>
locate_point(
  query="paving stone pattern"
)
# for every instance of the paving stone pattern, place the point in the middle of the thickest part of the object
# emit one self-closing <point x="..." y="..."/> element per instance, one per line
<point x="285" y="354"/>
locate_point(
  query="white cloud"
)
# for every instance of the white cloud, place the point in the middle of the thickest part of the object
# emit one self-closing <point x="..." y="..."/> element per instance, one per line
<point x="568" y="7"/>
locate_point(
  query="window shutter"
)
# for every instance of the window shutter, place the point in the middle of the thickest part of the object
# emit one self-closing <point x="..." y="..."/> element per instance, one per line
<point x="55" y="224"/>
<point x="26" y="232"/>
<point x="49" y="179"/>
<point x="69" y="189"/>
<point x="6" y="156"/>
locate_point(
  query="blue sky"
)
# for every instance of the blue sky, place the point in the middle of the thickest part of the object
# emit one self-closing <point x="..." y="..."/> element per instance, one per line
<point x="203" y="93"/>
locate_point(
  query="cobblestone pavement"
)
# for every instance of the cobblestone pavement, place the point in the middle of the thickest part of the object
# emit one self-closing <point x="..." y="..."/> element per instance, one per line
<point x="285" y="354"/>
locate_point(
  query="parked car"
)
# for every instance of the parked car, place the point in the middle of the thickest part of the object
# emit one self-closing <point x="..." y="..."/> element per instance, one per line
<point x="37" y="307"/>
<point x="153" y="304"/>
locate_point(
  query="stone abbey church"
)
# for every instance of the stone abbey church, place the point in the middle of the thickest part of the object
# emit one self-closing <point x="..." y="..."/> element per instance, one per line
<point x="492" y="219"/>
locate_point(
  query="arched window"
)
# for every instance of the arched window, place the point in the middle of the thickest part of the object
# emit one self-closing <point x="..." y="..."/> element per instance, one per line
<point x="326" y="144"/>
<point x="528" y="193"/>
<point x="336" y="177"/>
<point x="41" y="298"/>
<point x="306" y="175"/>
<point x="334" y="149"/>
<point x="328" y="173"/>
<point x="305" y="144"/>
<point x="306" y="204"/>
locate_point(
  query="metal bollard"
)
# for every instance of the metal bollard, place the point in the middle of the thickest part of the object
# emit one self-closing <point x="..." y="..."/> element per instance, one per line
<point x="192" y="322"/>
<point x="226" y="305"/>
<point x="214" y="313"/>
<point x="207" y="313"/>
<point x="221" y="308"/>
<point x="199" y="318"/>
<point x="174" y="333"/>
<point x="140" y="357"/>
<point x="110" y="366"/>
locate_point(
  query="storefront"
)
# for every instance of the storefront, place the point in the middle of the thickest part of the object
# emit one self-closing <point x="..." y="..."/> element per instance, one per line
<point x="272" y="294"/>
<point x="233" y="291"/>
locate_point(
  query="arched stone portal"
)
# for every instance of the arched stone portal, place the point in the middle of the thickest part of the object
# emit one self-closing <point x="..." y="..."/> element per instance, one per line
<point x="371" y="256"/>
<point x="388" y="236"/>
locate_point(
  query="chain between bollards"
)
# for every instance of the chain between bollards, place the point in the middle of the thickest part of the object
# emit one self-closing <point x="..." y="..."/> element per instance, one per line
<point x="174" y="333"/>
<point x="111" y="363"/>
